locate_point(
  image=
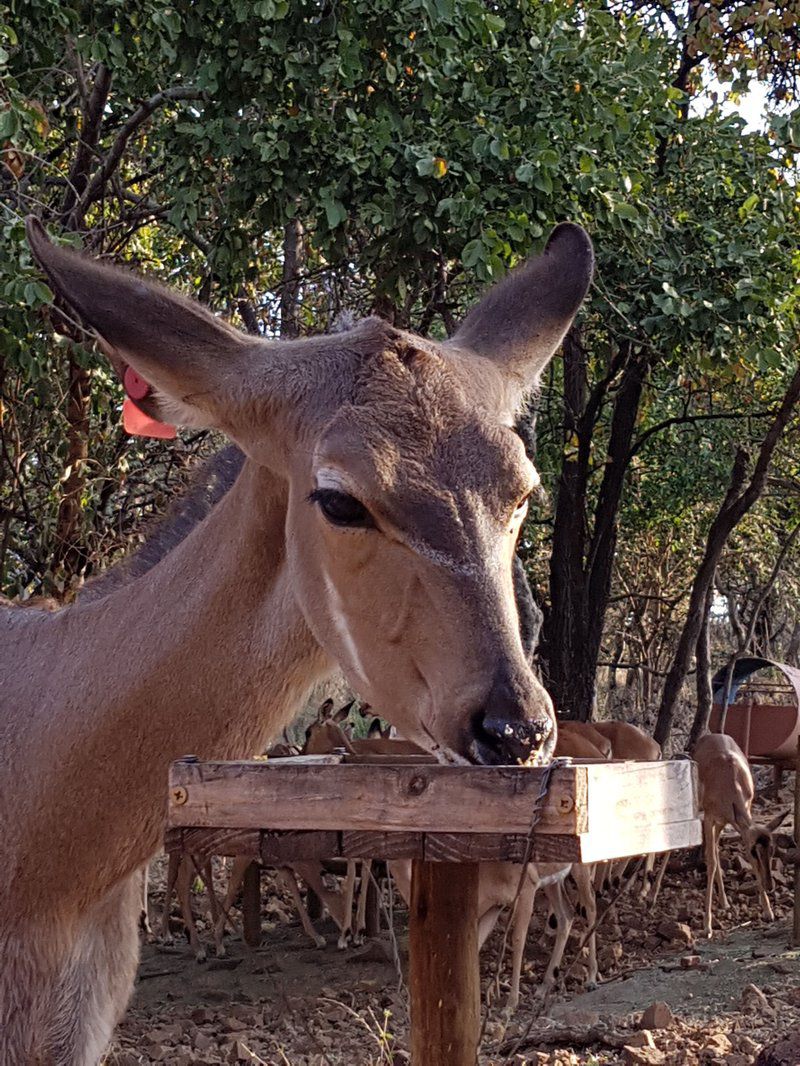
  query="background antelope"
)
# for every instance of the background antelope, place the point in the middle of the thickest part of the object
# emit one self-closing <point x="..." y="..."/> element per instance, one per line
<point x="372" y="525"/>
<point x="726" y="794"/>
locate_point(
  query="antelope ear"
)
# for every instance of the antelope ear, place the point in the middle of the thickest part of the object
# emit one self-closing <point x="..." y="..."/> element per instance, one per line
<point x="521" y="321"/>
<point x="191" y="359"/>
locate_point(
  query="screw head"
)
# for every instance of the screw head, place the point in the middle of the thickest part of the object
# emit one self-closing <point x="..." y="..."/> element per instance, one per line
<point x="179" y="795"/>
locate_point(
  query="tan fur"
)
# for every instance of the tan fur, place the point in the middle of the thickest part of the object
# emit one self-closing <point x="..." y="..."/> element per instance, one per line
<point x="212" y="649"/>
<point x="577" y="743"/>
<point x="499" y="888"/>
<point x="726" y="798"/>
<point x="628" y="741"/>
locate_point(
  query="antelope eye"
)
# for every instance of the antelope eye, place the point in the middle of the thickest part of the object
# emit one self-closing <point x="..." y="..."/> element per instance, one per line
<point x="341" y="509"/>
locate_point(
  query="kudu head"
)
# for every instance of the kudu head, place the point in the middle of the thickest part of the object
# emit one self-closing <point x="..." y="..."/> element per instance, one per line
<point x="406" y="483"/>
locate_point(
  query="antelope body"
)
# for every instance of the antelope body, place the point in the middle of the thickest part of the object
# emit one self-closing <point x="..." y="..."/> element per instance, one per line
<point x="726" y="792"/>
<point x="628" y="741"/>
<point x="581" y="741"/>
<point x="372" y="525"/>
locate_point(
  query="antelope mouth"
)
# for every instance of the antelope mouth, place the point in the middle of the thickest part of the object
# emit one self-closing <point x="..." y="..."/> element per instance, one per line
<point x="527" y="743"/>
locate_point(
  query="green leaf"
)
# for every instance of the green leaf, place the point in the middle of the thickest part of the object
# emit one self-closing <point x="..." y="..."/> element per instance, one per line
<point x="9" y="123"/>
<point x="474" y="252"/>
<point x="625" y="210"/>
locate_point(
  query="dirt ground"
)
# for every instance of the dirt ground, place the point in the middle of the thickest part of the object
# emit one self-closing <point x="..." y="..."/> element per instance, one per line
<point x="290" y="1004"/>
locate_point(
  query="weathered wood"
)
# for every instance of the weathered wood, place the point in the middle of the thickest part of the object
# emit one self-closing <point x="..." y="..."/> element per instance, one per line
<point x="333" y="759"/>
<point x="286" y="846"/>
<point x="356" y="845"/>
<point x="592" y="811"/>
<point x="444" y="982"/>
<point x="372" y="914"/>
<point x="314" y="905"/>
<point x="386" y="759"/>
<point x="251" y="905"/>
<point x="279" y="794"/>
<point x="620" y="841"/>
<point x="633" y="795"/>
<point x="203" y="843"/>
<point x="489" y="847"/>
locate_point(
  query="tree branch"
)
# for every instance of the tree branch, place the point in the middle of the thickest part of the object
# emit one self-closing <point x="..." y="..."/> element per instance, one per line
<point x="680" y="420"/>
<point x="127" y="130"/>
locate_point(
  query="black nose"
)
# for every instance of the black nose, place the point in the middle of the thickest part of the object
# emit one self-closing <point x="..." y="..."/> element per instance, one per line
<point x="501" y="740"/>
<point x="514" y="723"/>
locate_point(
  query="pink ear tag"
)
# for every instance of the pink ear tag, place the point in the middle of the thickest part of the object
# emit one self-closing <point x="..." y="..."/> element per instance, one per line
<point x="134" y="419"/>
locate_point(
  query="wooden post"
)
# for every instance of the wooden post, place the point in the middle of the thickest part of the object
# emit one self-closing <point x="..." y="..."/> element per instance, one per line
<point x="313" y="904"/>
<point x="777" y="779"/>
<point x="444" y="979"/>
<point x="251" y="905"/>
<point x="796" y="922"/>
<point x="373" y="912"/>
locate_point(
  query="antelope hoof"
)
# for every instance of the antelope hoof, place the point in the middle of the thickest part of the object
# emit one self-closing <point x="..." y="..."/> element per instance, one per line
<point x="590" y="985"/>
<point x="359" y="939"/>
<point x="200" y="955"/>
<point x="220" y="951"/>
<point x="319" y="940"/>
<point x="344" y="940"/>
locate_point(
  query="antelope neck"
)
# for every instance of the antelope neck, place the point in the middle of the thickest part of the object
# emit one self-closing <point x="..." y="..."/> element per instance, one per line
<point x="117" y="688"/>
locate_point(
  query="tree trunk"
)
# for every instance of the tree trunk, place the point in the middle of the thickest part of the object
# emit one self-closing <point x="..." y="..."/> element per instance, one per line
<point x="793" y="650"/>
<point x="290" y="290"/>
<point x="69" y="554"/>
<point x="738" y="501"/>
<point x="703" y="675"/>
<point x="565" y="625"/>
<point x="580" y="567"/>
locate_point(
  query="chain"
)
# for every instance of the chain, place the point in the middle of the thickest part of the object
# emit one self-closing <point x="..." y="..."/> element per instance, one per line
<point x="536" y="816"/>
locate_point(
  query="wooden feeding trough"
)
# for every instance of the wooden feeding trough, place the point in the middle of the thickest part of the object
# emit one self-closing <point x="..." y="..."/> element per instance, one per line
<point x="447" y="819"/>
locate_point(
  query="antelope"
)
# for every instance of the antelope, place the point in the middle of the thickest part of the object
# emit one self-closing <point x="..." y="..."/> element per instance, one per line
<point x="628" y="741"/>
<point x="323" y="736"/>
<point x="181" y="871"/>
<point x="499" y="888"/>
<point x="726" y="792"/>
<point x="371" y="527"/>
<point x="581" y="741"/>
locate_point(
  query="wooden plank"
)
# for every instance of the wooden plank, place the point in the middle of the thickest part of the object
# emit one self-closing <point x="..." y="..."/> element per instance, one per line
<point x="390" y="760"/>
<point x="444" y="984"/>
<point x="203" y="843"/>
<point x="490" y="847"/>
<point x="333" y="759"/>
<point x="289" y="846"/>
<point x="251" y="905"/>
<point x="620" y="841"/>
<point x="278" y="794"/>
<point x="358" y="845"/>
<point x="638" y="794"/>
